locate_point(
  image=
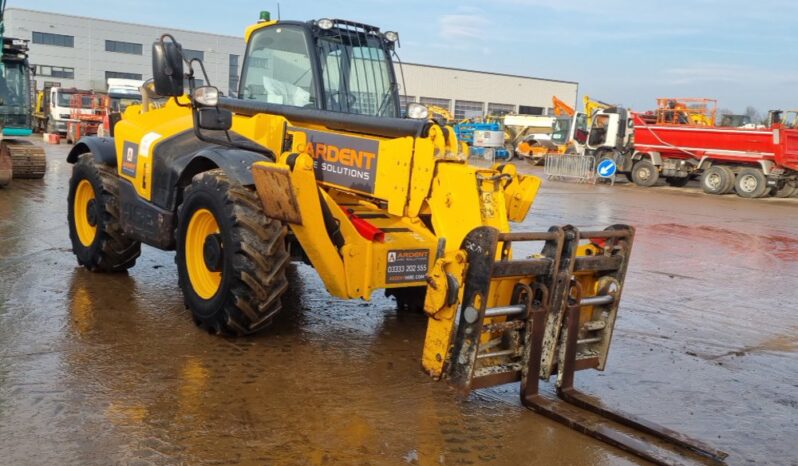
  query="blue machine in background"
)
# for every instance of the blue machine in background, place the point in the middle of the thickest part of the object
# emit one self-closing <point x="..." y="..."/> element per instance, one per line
<point x="468" y="133"/>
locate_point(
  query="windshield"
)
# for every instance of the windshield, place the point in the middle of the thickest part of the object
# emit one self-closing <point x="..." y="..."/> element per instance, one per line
<point x="63" y="99"/>
<point x="561" y="129"/>
<point x="14" y="85"/>
<point x="119" y="102"/>
<point x="278" y="68"/>
<point x="356" y="74"/>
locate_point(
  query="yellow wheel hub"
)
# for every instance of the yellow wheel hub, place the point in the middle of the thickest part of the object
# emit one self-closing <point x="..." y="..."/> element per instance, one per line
<point x="204" y="281"/>
<point x="85" y="221"/>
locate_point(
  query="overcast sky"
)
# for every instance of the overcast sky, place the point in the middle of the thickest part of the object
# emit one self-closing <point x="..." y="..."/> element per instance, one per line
<point x="620" y="51"/>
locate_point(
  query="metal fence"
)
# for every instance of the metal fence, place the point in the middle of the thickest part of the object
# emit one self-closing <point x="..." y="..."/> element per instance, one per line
<point x="580" y="167"/>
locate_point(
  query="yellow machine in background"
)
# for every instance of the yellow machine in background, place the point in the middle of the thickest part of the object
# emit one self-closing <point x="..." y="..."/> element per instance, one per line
<point x="316" y="165"/>
<point x="591" y="107"/>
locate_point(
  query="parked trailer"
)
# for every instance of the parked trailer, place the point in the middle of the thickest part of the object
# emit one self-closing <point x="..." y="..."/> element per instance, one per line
<point x="751" y="162"/>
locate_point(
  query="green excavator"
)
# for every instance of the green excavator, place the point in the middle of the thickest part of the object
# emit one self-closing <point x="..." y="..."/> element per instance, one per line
<point x="19" y="158"/>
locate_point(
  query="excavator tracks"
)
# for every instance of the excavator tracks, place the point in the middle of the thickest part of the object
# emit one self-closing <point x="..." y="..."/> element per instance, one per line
<point x="27" y="160"/>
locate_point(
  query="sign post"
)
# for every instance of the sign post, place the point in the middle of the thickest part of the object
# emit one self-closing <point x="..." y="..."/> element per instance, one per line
<point x="607" y="168"/>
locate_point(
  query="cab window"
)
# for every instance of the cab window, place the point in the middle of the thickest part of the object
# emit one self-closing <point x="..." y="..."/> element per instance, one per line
<point x="278" y="68"/>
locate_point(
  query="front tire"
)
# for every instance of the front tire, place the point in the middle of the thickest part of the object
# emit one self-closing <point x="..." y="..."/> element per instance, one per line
<point x="97" y="238"/>
<point x="231" y="258"/>
<point x="645" y="173"/>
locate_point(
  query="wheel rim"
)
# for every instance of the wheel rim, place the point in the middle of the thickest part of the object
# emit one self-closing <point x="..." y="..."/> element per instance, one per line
<point x="643" y="173"/>
<point x="85" y="213"/>
<point x="204" y="281"/>
<point x="713" y="181"/>
<point x="748" y="183"/>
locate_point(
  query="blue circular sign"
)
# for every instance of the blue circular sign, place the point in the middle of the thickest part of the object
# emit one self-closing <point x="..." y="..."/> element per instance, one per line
<point x="606" y="168"/>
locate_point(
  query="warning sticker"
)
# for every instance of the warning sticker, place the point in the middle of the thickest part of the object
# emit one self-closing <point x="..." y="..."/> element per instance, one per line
<point x="408" y="265"/>
<point x="130" y="155"/>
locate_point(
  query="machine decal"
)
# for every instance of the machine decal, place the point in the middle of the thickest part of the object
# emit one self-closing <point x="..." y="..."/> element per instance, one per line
<point x="408" y="265"/>
<point x="146" y="143"/>
<point x="130" y="155"/>
<point x="347" y="161"/>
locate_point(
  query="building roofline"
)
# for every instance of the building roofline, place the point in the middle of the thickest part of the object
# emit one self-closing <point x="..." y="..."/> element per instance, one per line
<point x="492" y="73"/>
<point x="241" y="38"/>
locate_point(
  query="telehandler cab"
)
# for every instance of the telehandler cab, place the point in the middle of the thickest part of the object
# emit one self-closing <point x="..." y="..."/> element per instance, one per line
<point x="312" y="162"/>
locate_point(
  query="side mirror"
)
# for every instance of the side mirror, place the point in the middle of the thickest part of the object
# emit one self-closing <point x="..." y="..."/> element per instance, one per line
<point x="212" y="118"/>
<point x="167" y="68"/>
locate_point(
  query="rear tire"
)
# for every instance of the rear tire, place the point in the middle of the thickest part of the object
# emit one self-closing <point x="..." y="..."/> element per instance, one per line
<point x="645" y="173"/>
<point x="717" y="179"/>
<point x="97" y="238"/>
<point x="789" y="189"/>
<point x="236" y="288"/>
<point x="677" y="181"/>
<point x="751" y="183"/>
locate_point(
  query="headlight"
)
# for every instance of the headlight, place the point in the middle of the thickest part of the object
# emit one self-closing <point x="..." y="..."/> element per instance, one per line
<point x="392" y="36"/>
<point x="417" y="111"/>
<point x="324" y="23"/>
<point x="207" y="96"/>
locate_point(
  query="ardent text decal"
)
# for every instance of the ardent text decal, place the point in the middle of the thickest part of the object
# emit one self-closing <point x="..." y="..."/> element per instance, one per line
<point x="130" y="155"/>
<point x="406" y="265"/>
<point x="346" y="161"/>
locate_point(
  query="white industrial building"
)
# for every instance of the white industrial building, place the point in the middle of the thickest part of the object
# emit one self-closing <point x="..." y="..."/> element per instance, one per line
<point x="76" y="51"/>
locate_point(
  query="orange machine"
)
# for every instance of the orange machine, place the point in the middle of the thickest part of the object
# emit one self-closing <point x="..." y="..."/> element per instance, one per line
<point x="561" y="108"/>
<point x="684" y="111"/>
<point x="88" y="111"/>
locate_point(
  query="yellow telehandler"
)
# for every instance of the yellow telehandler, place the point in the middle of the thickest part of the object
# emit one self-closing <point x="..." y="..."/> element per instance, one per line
<point x="313" y="163"/>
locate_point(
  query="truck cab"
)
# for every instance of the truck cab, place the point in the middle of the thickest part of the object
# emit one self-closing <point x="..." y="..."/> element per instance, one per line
<point x="55" y="108"/>
<point x="123" y="92"/>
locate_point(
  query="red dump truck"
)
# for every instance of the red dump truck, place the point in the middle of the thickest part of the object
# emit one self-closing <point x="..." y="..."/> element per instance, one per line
<point x="753" y="162"/>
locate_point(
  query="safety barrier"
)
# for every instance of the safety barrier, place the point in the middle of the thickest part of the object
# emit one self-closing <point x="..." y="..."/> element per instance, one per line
<point x="580" y="167"/>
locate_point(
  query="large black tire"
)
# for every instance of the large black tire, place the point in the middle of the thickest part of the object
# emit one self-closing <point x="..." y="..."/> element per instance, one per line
<point x="751" y="183"/>
<point x="251" y="257"/>
<point x="109" y="250"/>
<point x="410" y="299"/>
<point x="645" y="173"/>
<point x="789" y="189"/>
<point x="717" y="179"/>
<point x="677" y="181"/>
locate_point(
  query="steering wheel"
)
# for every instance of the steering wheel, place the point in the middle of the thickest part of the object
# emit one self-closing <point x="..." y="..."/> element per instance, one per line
<point x="337" y="98"/>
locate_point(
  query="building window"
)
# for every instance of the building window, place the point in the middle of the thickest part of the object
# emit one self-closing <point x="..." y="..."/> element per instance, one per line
<point x="121" y="75"/>
<point x="530" y="110"/>
<point x="468" y="109"/>
<point x="122" y="47"/>
<point x="55" y="71"/>
<point x="59" y="40"/>
<point x="232" y="82"/>
<point x="444" y="103"/>
<point x="500" y="109"/>
<point x="189" y="54"/>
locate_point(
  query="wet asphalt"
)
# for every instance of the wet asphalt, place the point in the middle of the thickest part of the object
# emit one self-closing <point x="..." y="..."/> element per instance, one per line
<point x="109" y="369"/>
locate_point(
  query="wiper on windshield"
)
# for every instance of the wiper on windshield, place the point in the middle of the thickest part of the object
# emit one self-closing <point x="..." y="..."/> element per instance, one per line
<point x="386" y="99"/>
